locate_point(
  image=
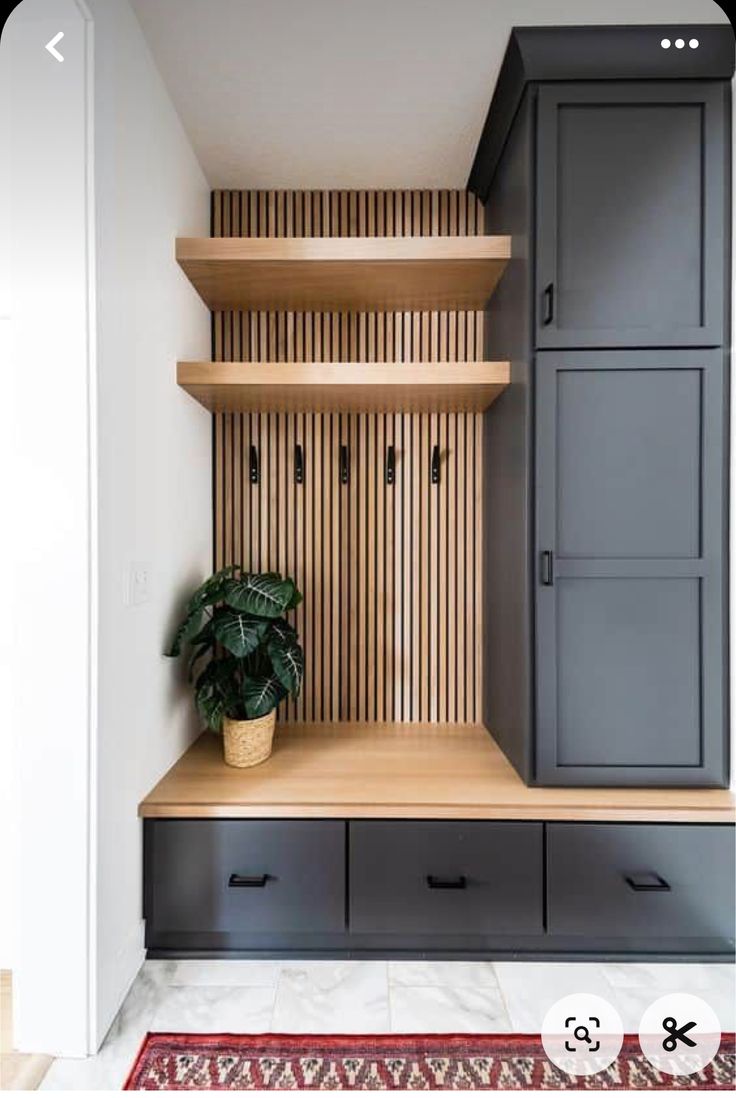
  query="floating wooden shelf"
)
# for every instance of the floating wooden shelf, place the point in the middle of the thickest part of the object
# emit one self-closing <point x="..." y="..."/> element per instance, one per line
<point x="344" y="386"/>
<point x="394" y="771"/>
<point x="344" y="274"/>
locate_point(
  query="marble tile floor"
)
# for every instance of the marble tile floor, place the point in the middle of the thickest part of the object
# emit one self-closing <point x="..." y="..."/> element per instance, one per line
<point x="372" y="997"/>
<point x="18" y="1070"/>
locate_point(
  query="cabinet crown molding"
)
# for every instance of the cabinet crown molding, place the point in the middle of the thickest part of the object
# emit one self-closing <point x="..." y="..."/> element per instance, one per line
<point x="537" y="54"/>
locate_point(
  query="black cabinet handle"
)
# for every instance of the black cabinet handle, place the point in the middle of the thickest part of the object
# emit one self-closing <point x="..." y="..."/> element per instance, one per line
<point x="238" y="881"/>
<point x="549" y="304"/>
<point x="253" y="465"/>
<point x="548" y="568"/>
<point x="344" y="465"/>
<point x="446" y="882"/>
<point x="647" y="882"/>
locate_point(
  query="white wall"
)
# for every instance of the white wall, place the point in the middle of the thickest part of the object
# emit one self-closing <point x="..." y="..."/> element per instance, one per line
<point x="106" y="463"/>
<point x="48" y="516"/>
<point x="9" y="803"/>
<point x="732" y="466"/>
<point x="154" y="463"/>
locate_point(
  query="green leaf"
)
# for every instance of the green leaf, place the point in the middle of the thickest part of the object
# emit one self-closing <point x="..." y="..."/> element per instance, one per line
<point x="286" y="655"/>
<point x="295" y="599"/>
<point x="238" y="632"/>
<point x="265" y="594"/>
<point x="217" y="692"/>
<point x="281" y="630"/>
<point x="288" y="663"/>
<point x="222" y="673"/>
<point x="199" y="653"/>
<point x="188" y="629"/>
<point x="206" y="634"/>
<point x="211" y="707"/>
<point x="261" y="695"/>
<point x="207" y="594"/>
<point x="213" y="589"/>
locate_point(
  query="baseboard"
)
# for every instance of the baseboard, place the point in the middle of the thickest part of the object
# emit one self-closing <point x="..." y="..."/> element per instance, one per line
<point x="117" y="976"/>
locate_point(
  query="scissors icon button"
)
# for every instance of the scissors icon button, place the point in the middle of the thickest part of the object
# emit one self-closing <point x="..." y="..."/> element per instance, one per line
<point x="680" y="1033"/>
<point x="677" y="1033"/>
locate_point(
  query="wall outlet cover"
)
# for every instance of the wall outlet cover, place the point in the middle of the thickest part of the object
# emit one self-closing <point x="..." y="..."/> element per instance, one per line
<point x="138" y="583"/>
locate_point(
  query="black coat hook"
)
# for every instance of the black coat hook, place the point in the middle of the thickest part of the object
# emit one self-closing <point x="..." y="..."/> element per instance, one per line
<point x="390" y="465"/>
<point x="435" y="465"/>
<point x="253" y="465"/>
<point x="344" y="465"/>
<point x="299" y="464"/>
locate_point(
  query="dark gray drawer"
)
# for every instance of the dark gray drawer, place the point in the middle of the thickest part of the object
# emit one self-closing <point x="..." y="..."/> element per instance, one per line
<point x="245" y="875"/>
<point x="441" y="877"/>
<point x="641" y="880"/>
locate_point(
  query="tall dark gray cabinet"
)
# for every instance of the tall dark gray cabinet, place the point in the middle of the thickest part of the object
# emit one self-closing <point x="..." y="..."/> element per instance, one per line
<point x="607" y="158"/>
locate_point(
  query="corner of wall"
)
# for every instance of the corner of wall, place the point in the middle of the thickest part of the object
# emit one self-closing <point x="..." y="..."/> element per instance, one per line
<point x="154" y="466"/>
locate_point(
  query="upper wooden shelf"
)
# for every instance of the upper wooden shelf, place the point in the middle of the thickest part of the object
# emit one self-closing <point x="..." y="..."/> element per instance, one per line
<point x="344" y="274"/>
<point x="344" y="386"/>
<point x="394" y="771"/>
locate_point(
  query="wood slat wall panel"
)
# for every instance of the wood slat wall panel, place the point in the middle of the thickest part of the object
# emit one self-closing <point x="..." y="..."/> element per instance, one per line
<point x="391" y="618"/>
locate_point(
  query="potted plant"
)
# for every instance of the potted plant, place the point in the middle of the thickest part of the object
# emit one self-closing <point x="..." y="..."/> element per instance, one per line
<point x="236" y="620"/>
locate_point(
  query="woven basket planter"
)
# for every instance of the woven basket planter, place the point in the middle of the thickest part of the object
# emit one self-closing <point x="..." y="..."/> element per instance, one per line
<point x="248" y="743"/>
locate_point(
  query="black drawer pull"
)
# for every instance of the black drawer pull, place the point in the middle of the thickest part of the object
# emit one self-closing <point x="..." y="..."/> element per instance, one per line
<point x="238" y="881"/>
<point x="549" y="304"/>
<point x="647" y="882"/>
<point x="446" y="882"/>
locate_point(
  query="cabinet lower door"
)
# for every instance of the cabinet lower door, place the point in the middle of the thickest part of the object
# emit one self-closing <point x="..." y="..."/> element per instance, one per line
<point x="629" y="588"/>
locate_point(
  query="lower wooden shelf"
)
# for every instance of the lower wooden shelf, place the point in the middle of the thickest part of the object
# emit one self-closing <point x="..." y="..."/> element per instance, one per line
<point x="344" y="386"/>
<point x="395" y="771"/>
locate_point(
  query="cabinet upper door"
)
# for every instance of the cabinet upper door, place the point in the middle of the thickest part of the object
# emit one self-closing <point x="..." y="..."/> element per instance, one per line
<point x="631" y="190"/>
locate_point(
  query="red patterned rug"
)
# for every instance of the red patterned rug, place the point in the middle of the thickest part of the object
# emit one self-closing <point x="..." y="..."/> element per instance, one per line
<point x="441" y="1061"/>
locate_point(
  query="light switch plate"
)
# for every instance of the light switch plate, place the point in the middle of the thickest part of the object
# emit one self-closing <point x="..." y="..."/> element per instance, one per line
<point x="138" y="587"/>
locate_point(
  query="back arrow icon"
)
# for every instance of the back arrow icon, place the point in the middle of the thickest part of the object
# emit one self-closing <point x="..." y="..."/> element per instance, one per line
<point x="50" y="46"/>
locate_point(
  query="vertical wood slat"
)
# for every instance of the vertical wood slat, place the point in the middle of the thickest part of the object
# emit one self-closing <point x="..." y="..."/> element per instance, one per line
<point x="391" y="619"/>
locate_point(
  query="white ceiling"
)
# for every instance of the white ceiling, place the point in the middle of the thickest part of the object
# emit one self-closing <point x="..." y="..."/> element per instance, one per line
<point x="351" y="93"/>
